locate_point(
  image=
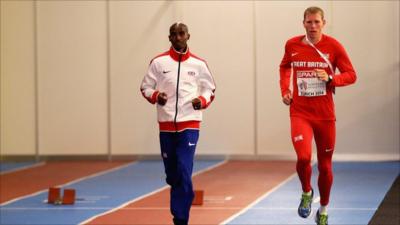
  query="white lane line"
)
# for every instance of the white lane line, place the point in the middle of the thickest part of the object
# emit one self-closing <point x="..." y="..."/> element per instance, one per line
<point x="23" y="168"/>
<point x="257" y="200"/>
<point x="260" y="198"/>
<point x="69" y="183"/>
<point x="146" y="195"/>
<point x="167" y="208"/>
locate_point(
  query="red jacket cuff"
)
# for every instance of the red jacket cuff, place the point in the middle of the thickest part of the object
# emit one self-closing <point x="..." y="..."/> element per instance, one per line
<point x="203" y="102"/>
<point x="154" y="96"/>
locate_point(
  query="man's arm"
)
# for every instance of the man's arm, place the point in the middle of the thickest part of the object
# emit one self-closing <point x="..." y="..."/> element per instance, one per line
<point x="347" y="74"/>
<point x="149" y="84"/>
<point x="285" y="71"/>
<point x="207" y="89"/>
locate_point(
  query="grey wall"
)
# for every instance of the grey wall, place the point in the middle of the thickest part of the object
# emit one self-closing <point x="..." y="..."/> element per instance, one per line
<point x="71" y="70"/>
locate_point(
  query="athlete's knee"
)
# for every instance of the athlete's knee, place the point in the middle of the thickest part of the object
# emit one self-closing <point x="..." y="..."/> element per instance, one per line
<point x="172" y="181"/>
<point x="303" y="161"/>
<point x="179" y="178"/>
<point x="325" y="168"/>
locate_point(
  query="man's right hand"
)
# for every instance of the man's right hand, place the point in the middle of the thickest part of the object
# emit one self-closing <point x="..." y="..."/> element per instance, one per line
<point x="162" y="98"/>
<point x="287" y="98"/>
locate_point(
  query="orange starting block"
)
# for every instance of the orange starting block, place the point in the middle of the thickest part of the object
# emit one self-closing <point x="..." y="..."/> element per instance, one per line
<point x="54" y="196"/>
<point x="198" y="197"/>
<point x="68" y="197"/>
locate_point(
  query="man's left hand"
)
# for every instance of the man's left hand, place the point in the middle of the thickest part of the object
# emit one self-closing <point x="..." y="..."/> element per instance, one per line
<point x="196" y="104"/>
<point x="322" y="75"/>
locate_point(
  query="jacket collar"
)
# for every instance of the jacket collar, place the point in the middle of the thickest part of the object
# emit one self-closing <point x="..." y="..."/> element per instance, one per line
<point x="175" y="54"/>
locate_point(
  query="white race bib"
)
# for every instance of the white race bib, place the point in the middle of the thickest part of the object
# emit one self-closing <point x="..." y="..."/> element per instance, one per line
<point x="309" y="85"/>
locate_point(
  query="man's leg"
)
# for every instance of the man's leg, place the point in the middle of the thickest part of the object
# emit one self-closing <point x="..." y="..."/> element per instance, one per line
<point x="168" y="153"/>
<point x="301" y="132"/>
<point x="325" y="135"/>
<point x="168" y="142"/>
<point x="182" y="194"/>
<point x="302" y="138"/>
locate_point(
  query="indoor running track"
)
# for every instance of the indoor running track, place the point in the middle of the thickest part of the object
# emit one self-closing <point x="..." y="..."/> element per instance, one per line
<point x="236" y="192"/>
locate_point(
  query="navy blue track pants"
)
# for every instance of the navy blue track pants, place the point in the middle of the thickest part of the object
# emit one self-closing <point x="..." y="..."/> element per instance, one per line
<point x="177" y="151"/>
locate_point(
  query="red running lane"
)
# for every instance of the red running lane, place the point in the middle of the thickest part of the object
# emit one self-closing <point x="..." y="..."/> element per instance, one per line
<point x="24" y="182"/>
<point x="240" y="181"/>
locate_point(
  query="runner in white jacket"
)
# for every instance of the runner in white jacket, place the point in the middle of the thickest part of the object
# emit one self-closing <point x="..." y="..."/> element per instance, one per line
<point x="181" y="85"/>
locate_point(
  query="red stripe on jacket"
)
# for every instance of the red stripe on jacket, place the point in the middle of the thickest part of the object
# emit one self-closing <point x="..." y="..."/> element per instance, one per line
<point x="178" y="126"/>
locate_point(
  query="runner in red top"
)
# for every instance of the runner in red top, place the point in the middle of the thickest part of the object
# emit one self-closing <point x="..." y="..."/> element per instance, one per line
<point x="313" y="59"/>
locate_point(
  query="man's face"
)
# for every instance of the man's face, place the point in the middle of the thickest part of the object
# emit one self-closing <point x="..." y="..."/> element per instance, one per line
<point x="313" y="24"/>
<point x="178" y="36"/>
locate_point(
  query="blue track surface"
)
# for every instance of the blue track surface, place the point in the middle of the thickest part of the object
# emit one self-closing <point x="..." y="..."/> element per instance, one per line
<point x="6" y="166"/>
<point x="358" y="189"/>
<point x="98" y="194"/>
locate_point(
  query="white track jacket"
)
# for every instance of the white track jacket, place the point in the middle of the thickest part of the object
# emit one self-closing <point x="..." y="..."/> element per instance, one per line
<point x="183" y="77"/>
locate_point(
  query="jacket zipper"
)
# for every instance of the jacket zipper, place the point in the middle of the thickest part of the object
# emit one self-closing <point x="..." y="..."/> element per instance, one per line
<point x="177" y="92"/>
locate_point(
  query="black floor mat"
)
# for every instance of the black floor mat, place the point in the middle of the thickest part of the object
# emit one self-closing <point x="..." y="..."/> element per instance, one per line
<point x="389" y="210"/>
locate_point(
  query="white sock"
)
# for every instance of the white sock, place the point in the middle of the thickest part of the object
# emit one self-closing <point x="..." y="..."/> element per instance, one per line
<point x="323" y="209"/>
<point x="307" y="193"/>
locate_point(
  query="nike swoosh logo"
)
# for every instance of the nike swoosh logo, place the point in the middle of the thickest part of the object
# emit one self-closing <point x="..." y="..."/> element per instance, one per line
<point x="329" y="150"/>
<point x="166" y="71"/>
<point x="298" y="138"/>
<point x="191" y="144"/>
<point x="293" y="54"/>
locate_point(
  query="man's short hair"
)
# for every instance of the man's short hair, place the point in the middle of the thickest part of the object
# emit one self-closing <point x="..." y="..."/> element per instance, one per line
<point x="313" y="10"/>
<point x="178" y="24"/>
